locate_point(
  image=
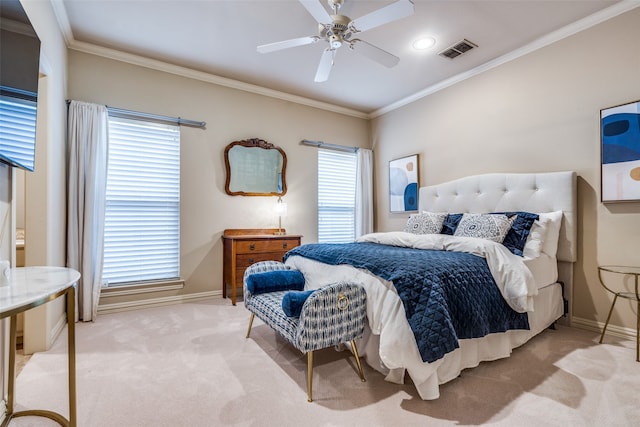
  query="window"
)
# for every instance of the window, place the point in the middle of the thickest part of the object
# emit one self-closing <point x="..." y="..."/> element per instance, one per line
<point x="17" y="127"/>
<point x="336" y="196"/>
<point x="142" y="218"/>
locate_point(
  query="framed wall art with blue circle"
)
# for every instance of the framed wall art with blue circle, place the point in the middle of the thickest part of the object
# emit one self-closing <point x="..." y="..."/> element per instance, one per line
<point x="403" y="184"/>
<point x="620" y="135"/>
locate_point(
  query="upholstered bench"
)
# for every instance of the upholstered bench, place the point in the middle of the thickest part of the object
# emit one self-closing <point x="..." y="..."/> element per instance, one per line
<point x="328" y="316"/>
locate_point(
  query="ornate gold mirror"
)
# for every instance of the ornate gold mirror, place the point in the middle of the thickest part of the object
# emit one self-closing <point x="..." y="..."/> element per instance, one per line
<point x="255" y="168"/>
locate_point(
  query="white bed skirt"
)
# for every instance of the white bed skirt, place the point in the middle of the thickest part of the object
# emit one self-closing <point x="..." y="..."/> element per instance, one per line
<point x="427" y="377"/>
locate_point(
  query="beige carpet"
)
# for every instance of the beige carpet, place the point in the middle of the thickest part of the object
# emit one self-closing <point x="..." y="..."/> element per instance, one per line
<point x="190" y="365"/>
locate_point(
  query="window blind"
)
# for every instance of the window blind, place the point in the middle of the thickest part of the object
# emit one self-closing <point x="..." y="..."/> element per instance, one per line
<point x="142" y="218"/>
<point x="336" y="196"/>
<point x="17" y="131"/>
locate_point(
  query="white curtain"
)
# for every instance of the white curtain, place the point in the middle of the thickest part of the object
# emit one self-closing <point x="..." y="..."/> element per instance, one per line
<point x="364" y="192"/>
<point x="87" y="145"/>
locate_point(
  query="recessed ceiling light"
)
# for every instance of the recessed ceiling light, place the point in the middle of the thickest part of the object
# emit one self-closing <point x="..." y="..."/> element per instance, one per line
<point x="424" y="43"/>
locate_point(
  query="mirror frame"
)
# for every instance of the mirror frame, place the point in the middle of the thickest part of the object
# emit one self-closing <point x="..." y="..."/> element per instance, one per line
<point x="261" y="145"/>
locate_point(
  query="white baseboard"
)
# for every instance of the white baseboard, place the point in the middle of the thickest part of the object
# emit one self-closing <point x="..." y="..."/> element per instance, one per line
<point x="57" y="329"/>
<point x="591" y="325"/>
<point x="156" y="302"/>
<point x="613" y="330"/>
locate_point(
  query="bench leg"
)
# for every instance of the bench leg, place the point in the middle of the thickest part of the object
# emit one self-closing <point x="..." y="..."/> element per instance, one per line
<point x="309" y="375"/>
<point x="250" y="323"/>
<point x="355" y="353"/>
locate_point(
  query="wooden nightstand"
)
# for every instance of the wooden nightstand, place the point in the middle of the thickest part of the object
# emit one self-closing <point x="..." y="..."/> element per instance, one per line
<point x="243" y="247"/>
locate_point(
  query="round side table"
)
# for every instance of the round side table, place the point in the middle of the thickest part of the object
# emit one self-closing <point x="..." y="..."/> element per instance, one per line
<point x="633" y="296"/>
<point x="25" y="288"/>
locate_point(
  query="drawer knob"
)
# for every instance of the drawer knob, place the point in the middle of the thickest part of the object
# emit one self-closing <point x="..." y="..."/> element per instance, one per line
<point x="284" y="245"/>
<point x="252" y="246"/>
<point x="251" y="260"/>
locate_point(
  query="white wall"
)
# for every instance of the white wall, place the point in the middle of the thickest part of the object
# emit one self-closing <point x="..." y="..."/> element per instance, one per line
<point x="45" y="204"/>
<point x="231" y="115"/>
<point x="45" y="189"/>
<point x="537" y="113"/>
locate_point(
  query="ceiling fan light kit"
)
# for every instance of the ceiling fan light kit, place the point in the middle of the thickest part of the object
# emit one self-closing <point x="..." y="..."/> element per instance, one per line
<point x="338" y="30"/>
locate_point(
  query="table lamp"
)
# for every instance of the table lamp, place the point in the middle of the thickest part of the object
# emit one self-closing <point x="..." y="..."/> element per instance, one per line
<point x="281" y="210"/>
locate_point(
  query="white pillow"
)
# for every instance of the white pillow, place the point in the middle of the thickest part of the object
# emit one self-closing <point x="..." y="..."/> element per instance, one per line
<point x="533" y="247"/>
<point x="425" y="223"/>
<point x="544" y="235"/>
<point x="492" y="227"/>
<point x="550" y="246"/>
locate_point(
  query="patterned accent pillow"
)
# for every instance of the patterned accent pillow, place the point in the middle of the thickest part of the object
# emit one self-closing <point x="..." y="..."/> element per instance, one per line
<point x="492" y="227"/>
<point x="425" y="223"/>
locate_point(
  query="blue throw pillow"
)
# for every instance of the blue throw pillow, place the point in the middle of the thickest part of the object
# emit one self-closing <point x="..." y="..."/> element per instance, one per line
<point x="451" y="223"/>
<point x="277" y="280"/>
<point x="516" y="238"/>
<point x="293" y="301"/>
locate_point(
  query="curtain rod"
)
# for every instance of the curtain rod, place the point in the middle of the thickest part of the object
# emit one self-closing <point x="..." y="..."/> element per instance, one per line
<point x="138" y="115"/>
<point x="321" y="144"/>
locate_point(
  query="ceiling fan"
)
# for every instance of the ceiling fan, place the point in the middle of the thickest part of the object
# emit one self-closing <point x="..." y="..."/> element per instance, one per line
<point x="338" y="30"/>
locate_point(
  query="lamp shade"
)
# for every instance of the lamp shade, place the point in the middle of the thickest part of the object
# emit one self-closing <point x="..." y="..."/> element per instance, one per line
<point x="280" y="208"/>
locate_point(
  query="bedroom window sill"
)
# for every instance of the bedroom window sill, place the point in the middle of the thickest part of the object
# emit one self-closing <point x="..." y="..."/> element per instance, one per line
<point x="138" y="288"/>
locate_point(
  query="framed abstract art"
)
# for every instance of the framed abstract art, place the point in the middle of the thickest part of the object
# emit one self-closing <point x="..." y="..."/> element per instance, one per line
<point x="403" y="184"/>
<point x="620" y="152"/>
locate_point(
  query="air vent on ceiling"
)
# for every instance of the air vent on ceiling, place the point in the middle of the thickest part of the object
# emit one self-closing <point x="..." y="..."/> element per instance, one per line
<point x="458" y="49"/>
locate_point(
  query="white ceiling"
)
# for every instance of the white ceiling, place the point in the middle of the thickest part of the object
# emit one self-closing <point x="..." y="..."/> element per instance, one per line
<point x="220" y="37"/>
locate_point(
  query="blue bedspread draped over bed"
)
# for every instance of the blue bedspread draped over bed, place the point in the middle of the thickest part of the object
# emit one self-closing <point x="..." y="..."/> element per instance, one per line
<point x="446" y="295"/>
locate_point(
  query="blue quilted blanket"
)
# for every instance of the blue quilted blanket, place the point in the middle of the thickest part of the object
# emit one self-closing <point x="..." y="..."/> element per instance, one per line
<point x="447" y="296"/>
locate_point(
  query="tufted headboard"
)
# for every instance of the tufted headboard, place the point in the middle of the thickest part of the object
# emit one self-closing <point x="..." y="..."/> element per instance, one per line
<point x="501" y="192"/>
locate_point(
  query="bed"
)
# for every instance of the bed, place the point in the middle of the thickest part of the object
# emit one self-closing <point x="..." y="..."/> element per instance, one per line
<point x="533" y="280"/>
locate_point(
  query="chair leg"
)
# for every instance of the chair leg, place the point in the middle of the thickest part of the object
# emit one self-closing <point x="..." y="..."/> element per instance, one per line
<point x="250" y="323"/>
<point x="608" y="318"/>
<point x="355" y="353"/>
<point x="309" y="375"/>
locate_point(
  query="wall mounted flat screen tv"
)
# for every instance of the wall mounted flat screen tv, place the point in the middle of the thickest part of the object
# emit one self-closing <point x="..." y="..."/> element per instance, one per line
<point x="17" y="129"/>
<point x="19" y="73"/>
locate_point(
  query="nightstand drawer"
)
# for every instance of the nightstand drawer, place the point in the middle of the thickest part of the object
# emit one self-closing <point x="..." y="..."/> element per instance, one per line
<point x="245" y="260"/>
<point x="273" y="245"/>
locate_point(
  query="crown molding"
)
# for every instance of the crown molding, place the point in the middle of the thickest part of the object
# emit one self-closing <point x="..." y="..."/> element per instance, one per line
<point x="63" y="20"/>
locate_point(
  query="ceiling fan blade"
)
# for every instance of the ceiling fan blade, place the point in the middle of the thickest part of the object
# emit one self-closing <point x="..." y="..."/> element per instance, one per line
<point x="319" y="13"/>
<point x="392" y="12"/>
<point x="324" y="68"/>
<point x="375" y="53"/>
<point x="285" y="44"/>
